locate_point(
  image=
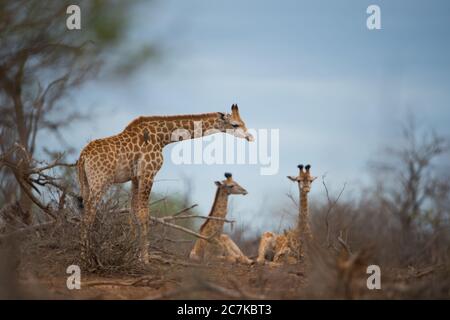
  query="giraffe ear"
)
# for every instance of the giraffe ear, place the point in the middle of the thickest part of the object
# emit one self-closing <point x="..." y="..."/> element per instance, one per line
<point x="218" y="183"/>
<point x="222" y="115"/>
<point x="292" y="178"/>
<point x="235" y="111"/>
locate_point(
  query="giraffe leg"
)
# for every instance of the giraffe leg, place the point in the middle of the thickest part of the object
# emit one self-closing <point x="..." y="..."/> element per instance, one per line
<point x="265" y="245"/>
<point x="134" y="207"/>
<point x="224" y="253"/>
<point x="142" y="214"/>
<point x="87" y="221"/>
<point x="233" y="249"/>
<point x="197" y="251"/>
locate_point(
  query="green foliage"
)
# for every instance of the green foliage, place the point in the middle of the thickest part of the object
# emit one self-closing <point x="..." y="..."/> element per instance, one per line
<point x="107" y="21"/>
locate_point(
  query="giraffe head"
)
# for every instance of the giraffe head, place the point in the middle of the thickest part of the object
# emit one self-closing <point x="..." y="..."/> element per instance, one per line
<point x="304" y="178"/>
<point x="230" y="186"/>
<point x="234" y="124"/>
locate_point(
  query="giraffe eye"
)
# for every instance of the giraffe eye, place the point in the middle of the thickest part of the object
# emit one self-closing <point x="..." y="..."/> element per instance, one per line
<point x="234" y="125"/>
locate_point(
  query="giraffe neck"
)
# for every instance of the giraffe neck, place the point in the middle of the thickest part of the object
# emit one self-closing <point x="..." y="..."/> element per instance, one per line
<point x="164" y="130"/>
<point x="304" y="204"/>
<point x="218" y="210"/>
<point x="304" y="212"/>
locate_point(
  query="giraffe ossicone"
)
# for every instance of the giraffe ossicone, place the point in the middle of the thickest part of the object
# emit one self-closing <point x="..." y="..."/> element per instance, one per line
<point x="135" y="155"/>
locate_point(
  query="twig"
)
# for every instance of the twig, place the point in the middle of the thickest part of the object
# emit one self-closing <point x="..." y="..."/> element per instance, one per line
<point x="24" y="179"/>
<point x="158" y="201"/>
<point x="424" y="272"/>
<point x="30" y="195"/>
<point x="197" y="216"/>
<point x="331" y="205"/>
<point x="51" y="166"/>
<point x="343" y="243"/>
<point x="291" y="197"/>
<point x="175" y="240"/>
<point x="179" y="262"/>
<point x="184" y="210"/>
<point x="50" y="181"/>
<point x="127" y="210"/>
<point x="174" y="226"/>
<point x="135" y="283"/>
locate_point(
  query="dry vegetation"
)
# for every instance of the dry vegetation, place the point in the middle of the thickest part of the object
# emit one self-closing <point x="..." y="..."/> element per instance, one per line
<point x="401" y="224"/>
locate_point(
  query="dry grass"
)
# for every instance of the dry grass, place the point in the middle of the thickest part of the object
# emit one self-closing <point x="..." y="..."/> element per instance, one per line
<point x="389" y="226"/>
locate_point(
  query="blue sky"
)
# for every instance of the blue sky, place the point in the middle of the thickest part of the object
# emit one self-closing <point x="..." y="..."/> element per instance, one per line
<point x="335" y="90"/>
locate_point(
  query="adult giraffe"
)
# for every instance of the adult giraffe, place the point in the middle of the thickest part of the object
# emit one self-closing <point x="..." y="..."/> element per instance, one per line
<point x="135" y="155"/>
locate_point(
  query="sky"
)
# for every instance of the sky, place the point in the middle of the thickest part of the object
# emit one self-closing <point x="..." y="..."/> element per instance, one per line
<point x="336" y="91"/>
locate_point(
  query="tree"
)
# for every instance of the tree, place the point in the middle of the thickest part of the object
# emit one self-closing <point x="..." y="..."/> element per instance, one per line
<point x="409" y="183"/>
<point x="41" y="62"/>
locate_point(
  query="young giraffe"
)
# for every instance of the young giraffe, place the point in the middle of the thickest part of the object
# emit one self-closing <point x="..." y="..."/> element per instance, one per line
<point x="220" y="245"/>
<point x="288" y="246"/>
<point x="136" y="154"/>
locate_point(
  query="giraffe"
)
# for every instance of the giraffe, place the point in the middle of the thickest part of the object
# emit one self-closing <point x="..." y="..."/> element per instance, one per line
<point x="136" y="155"/>
<point x="220" y="245"/>
<point x="288" y="246"/>
<point x="304" y="180"/>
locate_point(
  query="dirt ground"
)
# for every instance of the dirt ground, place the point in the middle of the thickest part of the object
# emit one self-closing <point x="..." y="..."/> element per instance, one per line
<point x="40" y="272"/>
<point x="174" y="276"/>
<point x="168" y="276"/>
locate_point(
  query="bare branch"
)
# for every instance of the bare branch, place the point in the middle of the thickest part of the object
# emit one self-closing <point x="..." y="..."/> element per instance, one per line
<point x="51" y="165"/>
<point x="197" y="216"/>
<point x="344" y="243"/>
<point x="331" y="205"/>
<point x="184" y="210"/>
<point x="175" y="226"/>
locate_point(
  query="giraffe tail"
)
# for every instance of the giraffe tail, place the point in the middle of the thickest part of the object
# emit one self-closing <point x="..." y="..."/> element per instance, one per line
<point x="80" y="202"/>
<point x="82" y="180"/>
